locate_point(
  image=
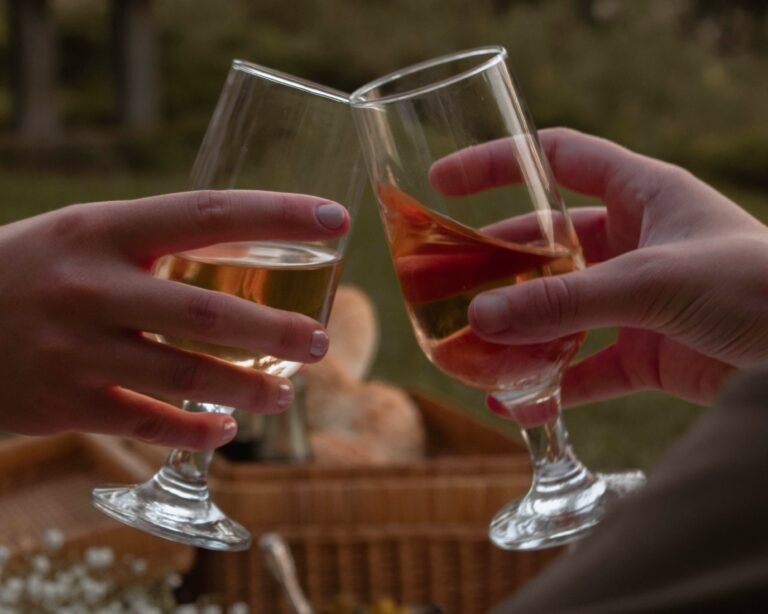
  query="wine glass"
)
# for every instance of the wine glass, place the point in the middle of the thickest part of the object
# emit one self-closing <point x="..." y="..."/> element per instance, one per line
<point x="418" y="128"/>
<point x="269" y="131"/>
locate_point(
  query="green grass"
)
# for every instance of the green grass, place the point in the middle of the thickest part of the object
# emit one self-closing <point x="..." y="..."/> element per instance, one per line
<point x="632" y="431"/>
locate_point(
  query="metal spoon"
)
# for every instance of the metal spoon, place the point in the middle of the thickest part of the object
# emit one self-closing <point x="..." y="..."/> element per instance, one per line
<point x="280" y="563"/>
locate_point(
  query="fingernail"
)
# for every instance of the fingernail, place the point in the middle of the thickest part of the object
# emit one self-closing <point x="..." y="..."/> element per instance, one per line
<point x="228" y="431"/>
<point x="490" y="313"/>
<point x="285" y="395"/>
<point x="319" y="345"/>
<point x="496" y="406"/>
<point x="331" y="215"/>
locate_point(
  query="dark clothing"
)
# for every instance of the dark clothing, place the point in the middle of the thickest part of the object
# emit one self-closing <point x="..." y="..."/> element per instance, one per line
<point x="695" y="539"/>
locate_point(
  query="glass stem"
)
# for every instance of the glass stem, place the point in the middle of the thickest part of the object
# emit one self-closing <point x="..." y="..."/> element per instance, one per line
<point x="185" y="473"/>
<point x="556" y="469"/>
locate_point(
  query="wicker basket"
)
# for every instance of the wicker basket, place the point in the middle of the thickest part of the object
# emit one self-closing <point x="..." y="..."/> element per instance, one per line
<point x="450" y="565"/>
<point x="46" y="482"/>
<point x="416" y="533"/>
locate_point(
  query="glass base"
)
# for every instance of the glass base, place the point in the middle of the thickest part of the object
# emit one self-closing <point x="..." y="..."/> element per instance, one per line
<point x="543" y="520"/>
<point x="152" y="508"/>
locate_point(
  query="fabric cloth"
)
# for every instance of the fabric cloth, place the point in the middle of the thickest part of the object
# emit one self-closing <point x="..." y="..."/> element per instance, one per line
<point x="695" y="539"/>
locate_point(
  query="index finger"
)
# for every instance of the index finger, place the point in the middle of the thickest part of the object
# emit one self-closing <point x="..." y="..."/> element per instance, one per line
<point x="158" y="225"/>
<point x="580" y="162"/>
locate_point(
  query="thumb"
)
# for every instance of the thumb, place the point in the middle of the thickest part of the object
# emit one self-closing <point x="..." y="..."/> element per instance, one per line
<point x="624" y="291"/>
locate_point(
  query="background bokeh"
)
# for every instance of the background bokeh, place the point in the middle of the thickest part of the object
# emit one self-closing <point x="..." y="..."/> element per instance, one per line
<point x="683" y="80"/>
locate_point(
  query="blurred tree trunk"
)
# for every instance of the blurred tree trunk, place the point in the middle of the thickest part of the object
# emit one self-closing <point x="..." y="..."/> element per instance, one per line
<point x="33" y="59"/>
<point x="134" y="36"/>
<point x="586" y="9"/>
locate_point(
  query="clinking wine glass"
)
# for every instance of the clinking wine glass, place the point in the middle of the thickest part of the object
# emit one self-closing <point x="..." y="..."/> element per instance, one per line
<point x="425" y="132"/>
<point x="269" y="131"/>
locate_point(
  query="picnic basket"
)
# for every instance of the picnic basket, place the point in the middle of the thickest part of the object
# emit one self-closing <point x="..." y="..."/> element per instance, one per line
<point x="414" y="532"/>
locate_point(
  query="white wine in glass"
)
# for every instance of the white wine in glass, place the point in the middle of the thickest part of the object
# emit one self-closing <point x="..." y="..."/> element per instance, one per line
<point x="289" y="276"/>
<point x="269" y="131"/>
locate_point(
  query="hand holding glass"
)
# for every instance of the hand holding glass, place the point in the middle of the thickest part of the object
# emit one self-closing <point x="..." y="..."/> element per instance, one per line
<point x="434" y="135"/>
<point x="273" y="132"/>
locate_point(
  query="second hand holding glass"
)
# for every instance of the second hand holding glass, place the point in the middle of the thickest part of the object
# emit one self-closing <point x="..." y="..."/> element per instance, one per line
<point x="435" y="136"/>
<point x="270" y="131"/>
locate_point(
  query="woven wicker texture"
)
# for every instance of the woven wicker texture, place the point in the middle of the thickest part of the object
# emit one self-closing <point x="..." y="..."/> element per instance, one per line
<point x="46" y="483"/>
<point x="415" y="532"/>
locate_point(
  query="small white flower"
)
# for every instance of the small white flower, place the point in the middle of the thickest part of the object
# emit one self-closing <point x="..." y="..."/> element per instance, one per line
<point x="187" y="608"/>
<point x="99" y="558"/>
<point x="78" y="571"/>
<point x="113" y="607"/>
<point x="139" y="567"/>
<point x="34" y="586"/>
<point x="9" y="596"/>
<point x="173" y="580"/>
<point x="15" y="583"/>
<point x="41" y="564"/>
<point x="138" y="600"/>
<point x="65" y="579"/>
<point x="5" y="554"/>
<point x="211" y="609"/>
<point x="239" y="608"/>
<point x="93" y="590"/>
<point x="53" y="539"/>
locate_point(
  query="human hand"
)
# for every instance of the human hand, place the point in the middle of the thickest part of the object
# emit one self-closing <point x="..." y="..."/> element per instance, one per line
<point x="76" y="296"/>
<point x="674" y="264"/>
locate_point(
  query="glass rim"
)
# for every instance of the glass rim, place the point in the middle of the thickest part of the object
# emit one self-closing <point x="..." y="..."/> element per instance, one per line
<point x="293" y="81"/>
<point x="497" y="54"/>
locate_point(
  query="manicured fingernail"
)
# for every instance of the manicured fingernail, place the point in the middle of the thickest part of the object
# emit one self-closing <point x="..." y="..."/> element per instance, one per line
<point x="228" y="431"/>
<point x="331" y="215"/>
<point x="285" y="395"/>
<point x="490" y="313"/>
<point x="319" y="345"/>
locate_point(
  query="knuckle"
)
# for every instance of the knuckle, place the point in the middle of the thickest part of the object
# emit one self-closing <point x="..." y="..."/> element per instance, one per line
<point x="199" y="435"/>
<point x="674" y="175"/>
<point x="211" y="209"/>
<point x="289" y="336"/>
<point x="657" y="296"/>
<point x="645" y="189"/>
<point x="66" y="284"/>
<point x="152" y="429"/>
<point x="75" y="224"/>
<point x="285" y="212"/>
<point x="640" y="191"/>
<point x="262" y="394"/>
<point x="552" y="303"/>
<point x="186" y="376"/>
<point x="204" y="311"/>
<point x="51" y="351"/>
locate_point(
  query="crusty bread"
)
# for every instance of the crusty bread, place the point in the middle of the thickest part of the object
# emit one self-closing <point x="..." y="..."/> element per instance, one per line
<point x="354" y="332"/>
<point x="352" y="421"/>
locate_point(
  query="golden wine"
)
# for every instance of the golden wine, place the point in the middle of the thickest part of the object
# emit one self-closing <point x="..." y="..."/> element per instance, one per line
<point x="442" y="265"/>
<point x="289" y="276"/>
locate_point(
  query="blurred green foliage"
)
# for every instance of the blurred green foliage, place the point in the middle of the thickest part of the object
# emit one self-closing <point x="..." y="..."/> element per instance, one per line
<point x="683" y="80"/>
<point x="679" y="79"/>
